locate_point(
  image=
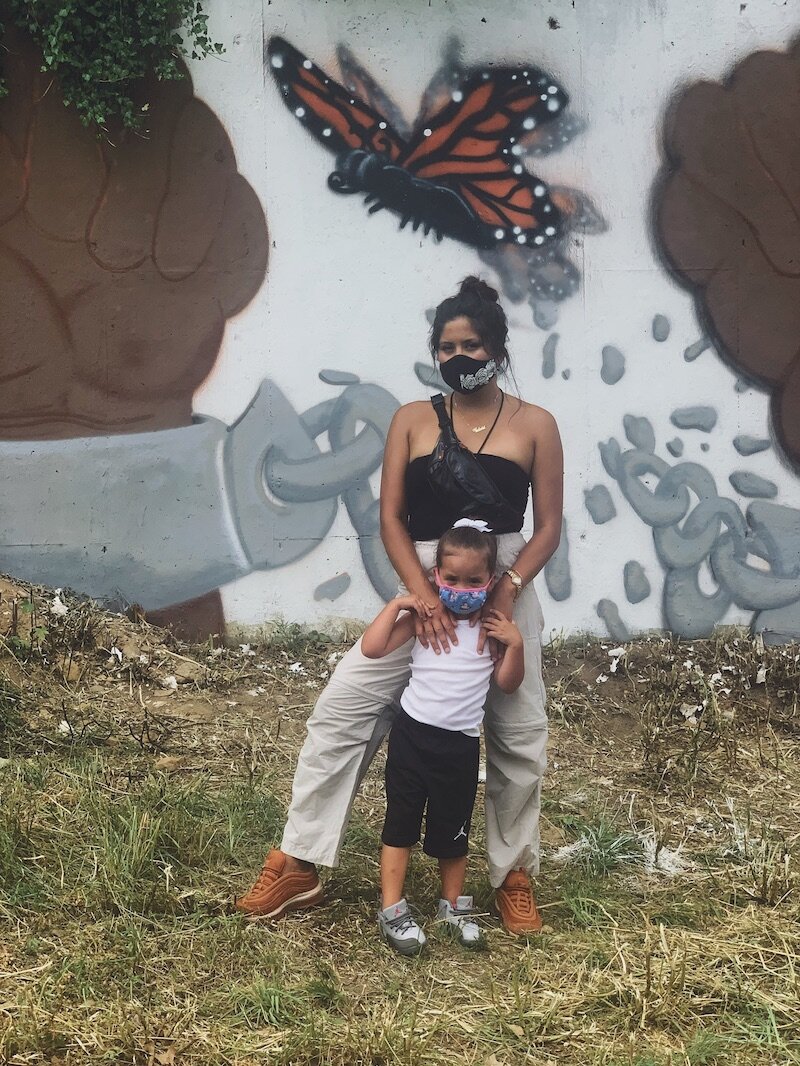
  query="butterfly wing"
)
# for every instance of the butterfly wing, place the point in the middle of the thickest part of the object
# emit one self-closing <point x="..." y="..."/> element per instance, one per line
<point x="335" y="117"/>
<point x="359" y="82"/>
<point x="472" y="146"/>
<point x="445" y="81"/>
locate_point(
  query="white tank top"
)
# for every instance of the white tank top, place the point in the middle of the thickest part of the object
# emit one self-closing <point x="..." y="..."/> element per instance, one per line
<point x="449" y="690"/>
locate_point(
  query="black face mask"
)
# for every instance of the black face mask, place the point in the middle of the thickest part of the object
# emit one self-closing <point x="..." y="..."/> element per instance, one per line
<point x="464" y="374"/>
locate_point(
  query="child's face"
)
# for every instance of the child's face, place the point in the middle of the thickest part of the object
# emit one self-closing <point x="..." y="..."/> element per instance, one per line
<point x="464" y="568"/>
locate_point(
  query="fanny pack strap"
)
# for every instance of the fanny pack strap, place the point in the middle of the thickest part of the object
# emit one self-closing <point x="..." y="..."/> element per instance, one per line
<point x="441" y="412"/>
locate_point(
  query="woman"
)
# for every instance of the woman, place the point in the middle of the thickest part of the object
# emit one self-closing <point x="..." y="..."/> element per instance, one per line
<point x="355" y="711"/>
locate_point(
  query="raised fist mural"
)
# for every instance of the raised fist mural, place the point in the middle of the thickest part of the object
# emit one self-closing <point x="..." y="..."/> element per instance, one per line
<point x="728" y="219"/>
<point x="120" y="261"/>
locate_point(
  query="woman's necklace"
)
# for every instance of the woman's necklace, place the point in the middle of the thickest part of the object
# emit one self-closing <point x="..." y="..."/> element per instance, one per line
<point x="481" y="428"/>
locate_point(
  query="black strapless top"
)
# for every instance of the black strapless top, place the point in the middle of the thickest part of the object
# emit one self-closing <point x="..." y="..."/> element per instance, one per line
<point x="429" y="515"/>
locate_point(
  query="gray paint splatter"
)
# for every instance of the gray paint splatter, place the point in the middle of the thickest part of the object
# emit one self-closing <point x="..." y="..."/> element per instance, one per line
<point x="430" y="377"/>
<point x="660" y="327"/>
<point x="613" y="365"/>
<point x="639" y="432"/>
<point x="696" y="349"/>
<point x="610" y="453"/>
<point x="703" y="418"/>
<point x="675" y="447"/>
<point x="747" y="483"/>
<point x="608" y="611"/>
<point x="338" y="377"/>
<point x="741" y="385"/>
<point x="549" y="356"/>
<point x="705" y="446"/>
<point x="557" y="573"/>
<point x="599" y="504"/>
<point x="565" y="374"/>
<point x="333" y="588"/>
<point x="637" y="587"/>
<point x="545" y="312"/>
<point x="746" y="445"/>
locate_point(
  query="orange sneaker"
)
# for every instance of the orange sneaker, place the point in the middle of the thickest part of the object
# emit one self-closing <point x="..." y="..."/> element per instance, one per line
<point x="278" y="890"/>
<point x="516" y="904"/>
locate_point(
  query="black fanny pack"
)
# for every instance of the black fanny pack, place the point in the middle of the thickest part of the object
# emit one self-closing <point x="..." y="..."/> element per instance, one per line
<point x="455" y="473"/>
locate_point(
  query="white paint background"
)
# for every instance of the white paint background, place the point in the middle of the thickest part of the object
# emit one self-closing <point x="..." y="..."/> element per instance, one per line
<point x="348" y="292"/>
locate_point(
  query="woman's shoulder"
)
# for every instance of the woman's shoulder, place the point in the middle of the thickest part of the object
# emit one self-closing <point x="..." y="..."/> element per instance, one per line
<point x="535" y="418"/>
<point x="411" y="414"/>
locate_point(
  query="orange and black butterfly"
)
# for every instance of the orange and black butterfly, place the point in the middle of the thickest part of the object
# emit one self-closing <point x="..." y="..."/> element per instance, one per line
<point x="459" y="172"/>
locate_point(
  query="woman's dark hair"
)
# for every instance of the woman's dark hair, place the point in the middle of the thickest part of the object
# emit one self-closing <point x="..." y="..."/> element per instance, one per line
<point x="468" y="537"/>
<point x="478" y="302"/>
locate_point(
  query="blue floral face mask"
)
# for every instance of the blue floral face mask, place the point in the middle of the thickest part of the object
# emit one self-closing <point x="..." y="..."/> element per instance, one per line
<point x="462" y="601"/>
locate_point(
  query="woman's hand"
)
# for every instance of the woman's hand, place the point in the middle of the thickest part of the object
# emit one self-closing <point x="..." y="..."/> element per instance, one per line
<point x="438" y="630"/>
<point x="501" y="598"/>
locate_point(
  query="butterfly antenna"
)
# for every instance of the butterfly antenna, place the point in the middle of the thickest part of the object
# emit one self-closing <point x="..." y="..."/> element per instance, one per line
<point x="404" y="221"/>
<point x="375" y="207"/>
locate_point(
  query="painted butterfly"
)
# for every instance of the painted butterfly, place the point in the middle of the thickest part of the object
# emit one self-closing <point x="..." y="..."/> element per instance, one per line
<point x="459" y="172"/>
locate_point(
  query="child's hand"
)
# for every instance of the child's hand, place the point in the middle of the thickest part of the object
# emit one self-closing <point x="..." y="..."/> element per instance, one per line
<point x="502" y="629"/>
<point x="415" y="604"/>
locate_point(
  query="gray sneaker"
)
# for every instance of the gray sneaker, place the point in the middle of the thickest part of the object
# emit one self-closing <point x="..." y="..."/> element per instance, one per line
<point x="458" y="922"/>
<point x="399" y="929"/>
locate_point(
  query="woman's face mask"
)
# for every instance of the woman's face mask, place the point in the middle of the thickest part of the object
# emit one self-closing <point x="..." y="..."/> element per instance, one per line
<point x="464" y="374"/>
<point x="462" y="601"/>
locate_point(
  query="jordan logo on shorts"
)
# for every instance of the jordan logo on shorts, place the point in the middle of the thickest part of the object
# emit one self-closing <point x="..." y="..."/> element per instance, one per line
<point x="462" y="832"/>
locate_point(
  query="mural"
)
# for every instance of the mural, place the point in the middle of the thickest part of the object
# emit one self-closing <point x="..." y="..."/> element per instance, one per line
<point x="120" y="264"/>
<point x="727" y="217"/>
<point x="460" y="170"/>
<point x="713" y="531"/>
<point x="163" y="517"/>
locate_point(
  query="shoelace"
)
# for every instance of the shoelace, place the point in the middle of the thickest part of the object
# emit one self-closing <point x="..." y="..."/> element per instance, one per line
<point x="520" y="899"/>
<point x="267" y="876"/>
<point x="402" y="922"/>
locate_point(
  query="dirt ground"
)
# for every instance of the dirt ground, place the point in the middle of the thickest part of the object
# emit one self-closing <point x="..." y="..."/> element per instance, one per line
<point x="668" y="884"/>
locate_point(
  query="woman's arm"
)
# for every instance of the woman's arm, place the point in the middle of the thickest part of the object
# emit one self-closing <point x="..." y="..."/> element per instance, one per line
<point x="438" y="629"/>
<point x="547" y="480"/>
<point x="394" y="530"/>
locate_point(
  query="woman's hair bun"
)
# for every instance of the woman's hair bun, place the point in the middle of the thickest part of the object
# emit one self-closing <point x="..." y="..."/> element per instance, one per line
<point x="476" y="287"/>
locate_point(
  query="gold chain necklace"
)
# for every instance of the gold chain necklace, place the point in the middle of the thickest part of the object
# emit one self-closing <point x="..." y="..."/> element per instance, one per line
<point x="480" y="429"/>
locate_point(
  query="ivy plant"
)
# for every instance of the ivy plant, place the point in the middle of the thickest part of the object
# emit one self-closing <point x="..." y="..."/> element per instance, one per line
<point x="100" y="49"/>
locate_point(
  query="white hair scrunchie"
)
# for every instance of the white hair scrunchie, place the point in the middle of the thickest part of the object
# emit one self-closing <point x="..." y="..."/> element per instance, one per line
<point x="474" y="523"/>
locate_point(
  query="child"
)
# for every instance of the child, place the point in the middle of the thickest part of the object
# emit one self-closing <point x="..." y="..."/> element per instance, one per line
<point x="434" y="742"/>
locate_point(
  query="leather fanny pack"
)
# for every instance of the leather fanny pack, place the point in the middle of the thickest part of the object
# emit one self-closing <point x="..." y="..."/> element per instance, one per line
<point x="455" y="472"/>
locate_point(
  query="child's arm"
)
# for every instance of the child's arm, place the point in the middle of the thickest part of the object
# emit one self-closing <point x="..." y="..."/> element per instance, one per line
<point x="388" y="632"/>
<point x="510" y="670"/>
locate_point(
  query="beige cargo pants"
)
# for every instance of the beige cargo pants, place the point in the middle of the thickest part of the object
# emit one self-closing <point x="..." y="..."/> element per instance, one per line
<point x="354" y="713"/>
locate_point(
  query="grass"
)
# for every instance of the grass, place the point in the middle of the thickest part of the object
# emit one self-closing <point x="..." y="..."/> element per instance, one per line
<point x="672" y="932"/>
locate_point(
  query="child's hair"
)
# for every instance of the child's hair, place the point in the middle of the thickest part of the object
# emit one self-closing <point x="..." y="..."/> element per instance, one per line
<point x="468" y="537"/>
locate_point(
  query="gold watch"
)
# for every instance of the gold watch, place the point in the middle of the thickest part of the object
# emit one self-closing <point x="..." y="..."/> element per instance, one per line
<point x="516" y="581"/>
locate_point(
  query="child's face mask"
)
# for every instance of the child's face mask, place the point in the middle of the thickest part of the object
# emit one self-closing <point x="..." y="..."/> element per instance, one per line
<point x="462" y="601"/>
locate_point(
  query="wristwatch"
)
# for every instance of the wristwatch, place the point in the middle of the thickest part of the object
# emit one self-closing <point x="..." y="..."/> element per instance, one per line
<point x="516" y="581"/>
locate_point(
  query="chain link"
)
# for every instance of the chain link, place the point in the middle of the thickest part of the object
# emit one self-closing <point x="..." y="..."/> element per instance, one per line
<point x="714" y="530"/>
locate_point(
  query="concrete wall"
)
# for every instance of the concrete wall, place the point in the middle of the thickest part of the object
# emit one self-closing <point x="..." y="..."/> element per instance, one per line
<point x="212" y="269"/>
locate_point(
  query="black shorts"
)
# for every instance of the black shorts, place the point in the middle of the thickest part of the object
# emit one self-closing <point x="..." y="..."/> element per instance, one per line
<point x="437" y="767"/>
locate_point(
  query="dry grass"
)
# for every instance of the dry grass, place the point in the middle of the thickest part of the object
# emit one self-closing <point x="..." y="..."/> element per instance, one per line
<point x="133" y="810"/>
